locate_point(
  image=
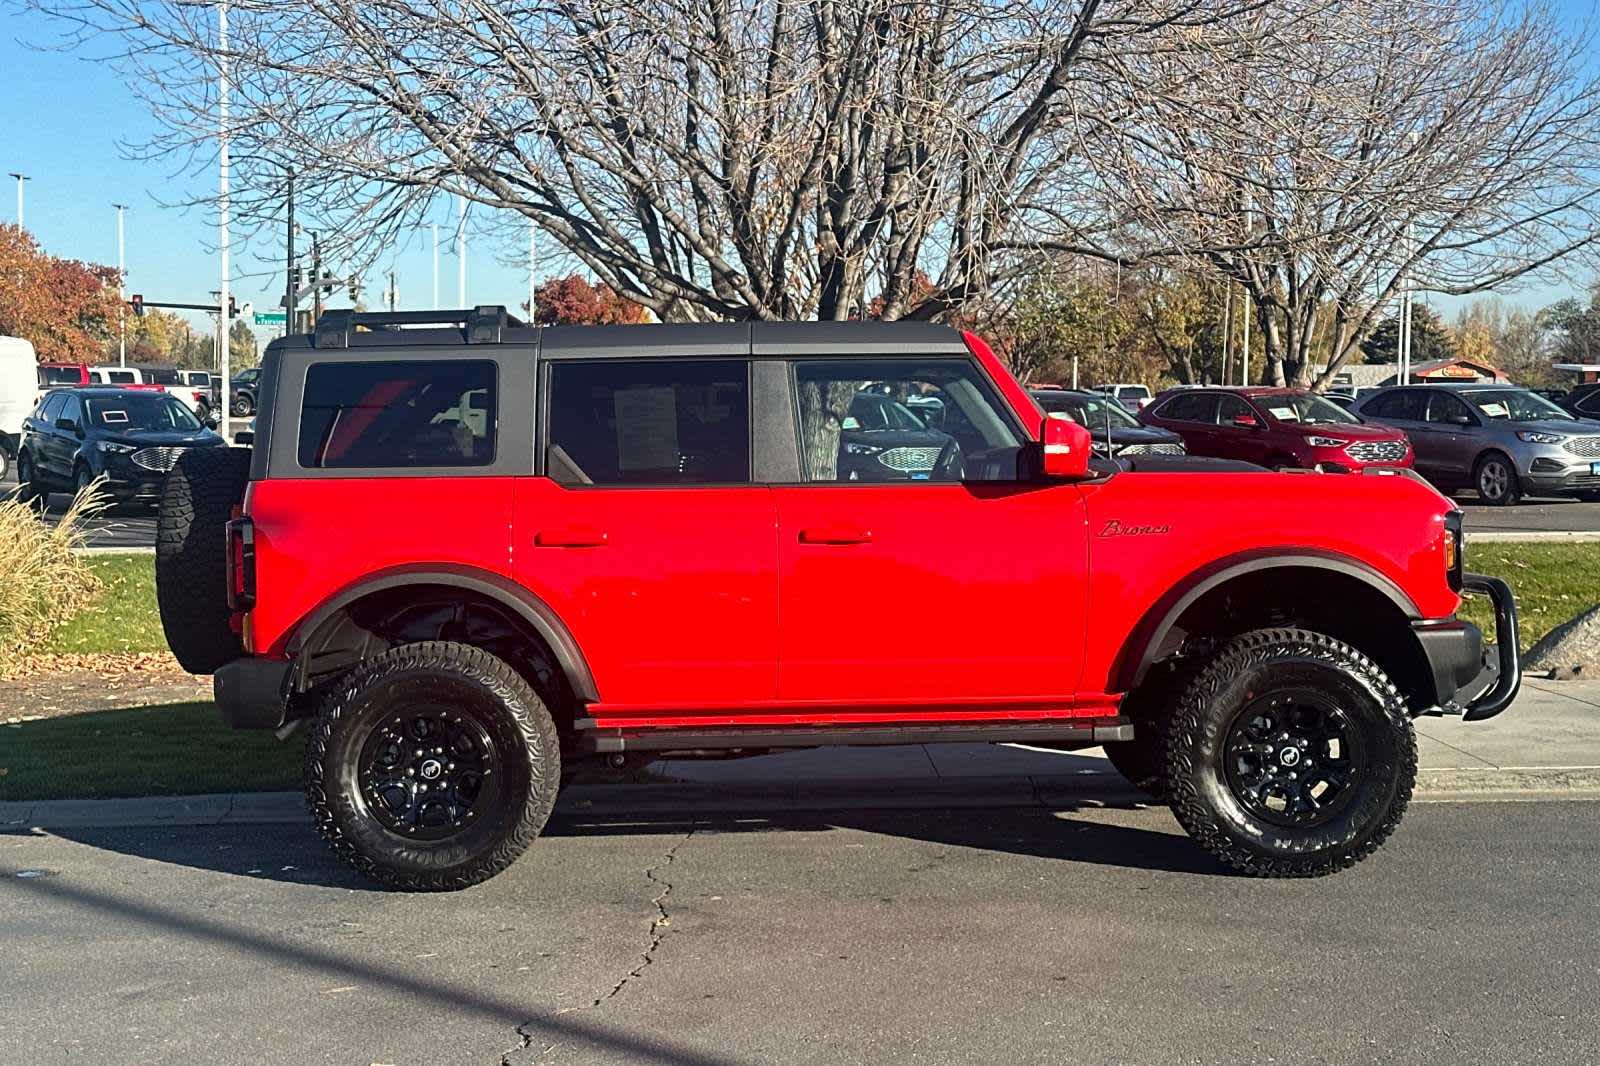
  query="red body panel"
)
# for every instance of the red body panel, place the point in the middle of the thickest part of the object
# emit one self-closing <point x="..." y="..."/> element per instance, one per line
<point x="316" y="537"/>
<point x="676" y="605"/>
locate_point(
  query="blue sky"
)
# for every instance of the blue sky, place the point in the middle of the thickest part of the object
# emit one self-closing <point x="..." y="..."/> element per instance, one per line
<point x="66" y="120"/>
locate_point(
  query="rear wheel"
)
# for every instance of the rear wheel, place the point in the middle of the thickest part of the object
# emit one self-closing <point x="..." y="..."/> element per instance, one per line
<point x="1291" y="755"/>
<point x="1496" y="480"/>
<point x="432" y="767"/>
<point x="243" y="405"/>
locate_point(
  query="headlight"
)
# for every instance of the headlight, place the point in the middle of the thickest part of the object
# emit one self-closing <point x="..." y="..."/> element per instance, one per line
<point x="1533" y="436"/>
<point x="1326" y="442"/>
<point x="861" y="449"/>
<point x="118" y="449"/>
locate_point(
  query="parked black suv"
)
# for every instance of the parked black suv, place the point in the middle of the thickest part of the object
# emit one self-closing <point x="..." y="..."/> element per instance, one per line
<point x="132" y="437"/>
<point x="1583" y="402"/>
<point x="244" y="391"/>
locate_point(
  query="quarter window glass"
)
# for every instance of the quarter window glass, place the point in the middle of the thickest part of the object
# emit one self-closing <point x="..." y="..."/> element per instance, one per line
<point x="399" y="414"/>
<point x="887" y="420"/>
<point x="618" y="422"/>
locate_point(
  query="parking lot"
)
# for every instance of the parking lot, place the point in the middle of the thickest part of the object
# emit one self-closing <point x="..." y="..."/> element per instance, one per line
<point x="137" y="529"/>
<point x="1102" y="936"/>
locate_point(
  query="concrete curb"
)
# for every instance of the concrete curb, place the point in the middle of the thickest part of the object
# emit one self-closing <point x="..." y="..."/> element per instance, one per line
<point x="1087" y="789"/>
<point x="1512" y="536"/>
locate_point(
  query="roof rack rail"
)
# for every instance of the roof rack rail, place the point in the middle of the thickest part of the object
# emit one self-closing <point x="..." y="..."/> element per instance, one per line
<point x="484" y="325"/>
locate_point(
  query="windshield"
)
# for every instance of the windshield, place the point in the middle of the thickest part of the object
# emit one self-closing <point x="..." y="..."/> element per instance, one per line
<point x="133" y="411"/>
<point x="1306" y="408"/>
<point x="1088" y="411"/>
<point x="1516" y="405"/>
<point x="872" y="411"/>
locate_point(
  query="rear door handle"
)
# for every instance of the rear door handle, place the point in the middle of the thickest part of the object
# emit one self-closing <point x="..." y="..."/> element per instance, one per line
<point x="835" y="535"/>
<point x="570" y="537"/>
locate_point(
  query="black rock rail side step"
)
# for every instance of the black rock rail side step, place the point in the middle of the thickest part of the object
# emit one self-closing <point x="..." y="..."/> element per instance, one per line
<point x="611" y="741"/>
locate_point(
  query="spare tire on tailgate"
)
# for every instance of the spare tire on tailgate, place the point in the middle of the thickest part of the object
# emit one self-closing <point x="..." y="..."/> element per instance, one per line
<point x="192" y="555"/>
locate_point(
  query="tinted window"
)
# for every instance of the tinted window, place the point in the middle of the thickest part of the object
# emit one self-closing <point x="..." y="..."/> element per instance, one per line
<point x="1590" y="404"/>
<point x="1231" y="407"/>
<point x="1443" y="407"/>
<point x="1405" y="405"/>
<point x="650" y="422"/>
<point x="1191" y="407"/>
<point x="60" y="375"/>
<point x="50" y="410"/>
<point x="401" y="414"/>
<point x="160" y="375"/>
<point x="121" y="377"/>
<point x="73" y="409"/>
<point x="902" y="420"/>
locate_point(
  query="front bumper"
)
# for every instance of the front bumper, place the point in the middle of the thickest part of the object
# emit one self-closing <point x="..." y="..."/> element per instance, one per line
<point x="1470" y="678"/>
<point x="253" y="693"/>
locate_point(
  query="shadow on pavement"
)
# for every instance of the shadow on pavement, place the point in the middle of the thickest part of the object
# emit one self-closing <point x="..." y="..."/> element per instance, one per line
<point x="295" y="855"/>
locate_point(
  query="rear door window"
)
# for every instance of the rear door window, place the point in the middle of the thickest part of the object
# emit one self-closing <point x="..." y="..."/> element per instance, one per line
<point x="1191" y="407"/>
<point x="438" y="413"/>
<point x="649" y="422"/>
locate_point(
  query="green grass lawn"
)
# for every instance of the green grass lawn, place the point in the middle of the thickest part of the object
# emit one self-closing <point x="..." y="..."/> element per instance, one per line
<point x="1552" y="582"/>
<point x="172" y="750"/>
<point x="125" y="618"/>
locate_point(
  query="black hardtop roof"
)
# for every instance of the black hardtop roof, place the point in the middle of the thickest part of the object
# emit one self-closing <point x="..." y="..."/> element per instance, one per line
<point x="493" y="326"/>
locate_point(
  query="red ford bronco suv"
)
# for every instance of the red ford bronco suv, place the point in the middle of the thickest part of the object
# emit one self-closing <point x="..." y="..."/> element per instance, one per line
<point x="465" y="553"/>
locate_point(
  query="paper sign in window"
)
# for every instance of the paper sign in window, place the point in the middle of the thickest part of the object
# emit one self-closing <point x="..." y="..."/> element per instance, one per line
<point x="647" y="428"/>
<point x="1493" y="410"/>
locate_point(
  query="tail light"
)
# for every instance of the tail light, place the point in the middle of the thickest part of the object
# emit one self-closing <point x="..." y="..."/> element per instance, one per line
<point x="241" y="533"/>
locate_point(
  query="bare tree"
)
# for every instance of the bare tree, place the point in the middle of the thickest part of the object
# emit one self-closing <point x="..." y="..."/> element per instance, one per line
<point x="706" y="158"/>
<point x="1350" y="144"/>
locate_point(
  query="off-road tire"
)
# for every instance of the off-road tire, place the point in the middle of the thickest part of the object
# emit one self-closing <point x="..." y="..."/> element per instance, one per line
<point x="480" y="685"/>
<point x="1513" y="484"/>
<point x="1247" y="668"/>
<point x="192" y="555"/>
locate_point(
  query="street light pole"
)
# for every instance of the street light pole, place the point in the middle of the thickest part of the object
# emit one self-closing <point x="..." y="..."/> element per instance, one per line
<point x="20" y="179"/>
<point x="223" y="360"/>
<point x="461" y="251"/>
<point x="288" y="263"/>
<point x="122" y="287"/>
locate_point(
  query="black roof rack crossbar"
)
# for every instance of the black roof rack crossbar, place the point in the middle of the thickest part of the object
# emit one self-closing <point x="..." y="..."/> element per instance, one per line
<point x="483" y="325"/>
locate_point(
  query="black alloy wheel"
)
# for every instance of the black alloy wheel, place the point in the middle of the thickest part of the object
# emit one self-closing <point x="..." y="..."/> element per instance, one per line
<point x="427" y="772"/>
<point x="1293" y="757"/>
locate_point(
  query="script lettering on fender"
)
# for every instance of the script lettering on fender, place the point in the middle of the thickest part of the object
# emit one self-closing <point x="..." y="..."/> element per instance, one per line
<point x="1113" y="528"/>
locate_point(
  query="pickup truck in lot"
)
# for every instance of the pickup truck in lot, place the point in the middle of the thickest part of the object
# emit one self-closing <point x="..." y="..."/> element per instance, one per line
<point x="464" y="554"/>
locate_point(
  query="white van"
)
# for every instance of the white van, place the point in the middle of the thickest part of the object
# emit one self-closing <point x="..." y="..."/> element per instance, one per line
<point x="19" y="388"/>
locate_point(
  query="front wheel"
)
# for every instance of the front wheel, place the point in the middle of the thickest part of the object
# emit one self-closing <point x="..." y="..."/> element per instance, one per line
<point x="432" y="766"/>
<point x="1496" y="480"/>
<point x="1291" y="755"/>
<point x="28" y="488"/>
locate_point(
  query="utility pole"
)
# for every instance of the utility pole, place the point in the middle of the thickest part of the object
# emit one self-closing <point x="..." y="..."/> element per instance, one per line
<point x="461" y="251"/>
<point x="223" y="353"/>
<point x="316" y="280"/>
<point x="1403" y="337"/>
<point x="435" y="227"/>
<point x="393" y="295"/>
<point x="1244" y="353"/>
<point x="20" y="179"/>
<point x="122" y="286"/>
<point x="288" y="263"/>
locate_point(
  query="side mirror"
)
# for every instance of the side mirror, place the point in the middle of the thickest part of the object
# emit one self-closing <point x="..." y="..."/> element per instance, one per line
<point x="67" y="424"/>
<point x="1246" y="421"/>
<point x="1461" y="420"/>
<point x="1067" y="447"/>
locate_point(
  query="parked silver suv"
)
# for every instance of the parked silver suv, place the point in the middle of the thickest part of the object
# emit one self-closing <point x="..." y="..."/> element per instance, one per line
<point x="1498" y="439"/>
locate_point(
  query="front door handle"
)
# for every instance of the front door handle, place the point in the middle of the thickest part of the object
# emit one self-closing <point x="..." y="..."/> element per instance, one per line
<point x="570" y="537"/>
<point x="835" y="535"/>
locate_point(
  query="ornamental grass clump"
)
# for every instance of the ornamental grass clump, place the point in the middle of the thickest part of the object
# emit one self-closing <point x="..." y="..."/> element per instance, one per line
<point x="43" y="579"/>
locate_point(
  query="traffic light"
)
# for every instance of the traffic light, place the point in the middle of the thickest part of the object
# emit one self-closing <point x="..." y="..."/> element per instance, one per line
<point x="138" y="304"/>
<point x="233" y="307"/>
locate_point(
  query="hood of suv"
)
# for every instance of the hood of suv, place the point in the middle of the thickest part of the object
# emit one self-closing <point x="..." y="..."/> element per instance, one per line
<point x="160" y="438"/>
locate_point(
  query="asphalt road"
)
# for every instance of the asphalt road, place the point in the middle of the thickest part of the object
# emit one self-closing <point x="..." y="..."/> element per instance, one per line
<point x="946" y="937"/>
<point x="125" y="528"/>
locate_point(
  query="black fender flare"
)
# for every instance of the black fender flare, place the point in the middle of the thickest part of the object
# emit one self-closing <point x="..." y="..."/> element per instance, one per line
<point x="1146" y="644"/>
<point x="497" y="587"/>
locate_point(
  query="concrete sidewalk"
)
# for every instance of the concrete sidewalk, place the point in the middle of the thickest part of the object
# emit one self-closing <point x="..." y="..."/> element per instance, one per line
<point x="1547" y="744"/>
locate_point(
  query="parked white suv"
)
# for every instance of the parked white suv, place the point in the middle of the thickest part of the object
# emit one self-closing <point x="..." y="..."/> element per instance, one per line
<point x="1132" y="397"/>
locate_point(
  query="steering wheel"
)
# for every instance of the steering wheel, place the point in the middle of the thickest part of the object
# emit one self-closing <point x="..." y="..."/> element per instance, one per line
<point x="950" y="466"/>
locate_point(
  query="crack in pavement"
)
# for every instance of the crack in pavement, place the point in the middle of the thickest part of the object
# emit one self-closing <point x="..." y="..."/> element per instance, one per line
<point x="658" y="932"/>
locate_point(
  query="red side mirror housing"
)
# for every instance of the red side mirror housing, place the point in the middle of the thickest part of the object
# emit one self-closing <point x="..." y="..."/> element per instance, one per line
<point x="1067" y="447"/>
<point x="1246" y="421"/>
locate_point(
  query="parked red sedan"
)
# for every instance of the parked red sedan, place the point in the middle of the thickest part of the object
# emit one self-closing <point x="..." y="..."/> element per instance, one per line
<point x="1276" y="428"/>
